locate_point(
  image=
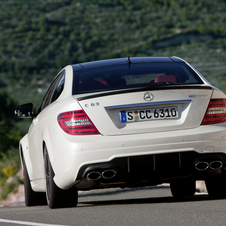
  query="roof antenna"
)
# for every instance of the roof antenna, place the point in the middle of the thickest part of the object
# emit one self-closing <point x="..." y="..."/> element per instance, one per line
<point x="129" y="62"/>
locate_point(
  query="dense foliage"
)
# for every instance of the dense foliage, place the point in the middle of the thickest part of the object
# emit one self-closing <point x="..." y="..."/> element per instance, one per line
<point x="8" y="137"/>
<point x="38" y="38"/>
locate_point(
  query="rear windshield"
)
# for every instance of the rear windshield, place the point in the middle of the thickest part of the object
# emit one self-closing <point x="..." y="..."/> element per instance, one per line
<point x="137" y="75"/>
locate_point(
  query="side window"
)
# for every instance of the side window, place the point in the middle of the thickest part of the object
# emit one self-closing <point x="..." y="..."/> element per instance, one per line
<point x="53" y="92"/>
<point x="59" y="87"/>
<point x="48" y="95"/>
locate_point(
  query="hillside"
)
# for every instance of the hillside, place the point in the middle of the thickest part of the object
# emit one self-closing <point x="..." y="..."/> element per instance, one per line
<point x="38" y="38"/>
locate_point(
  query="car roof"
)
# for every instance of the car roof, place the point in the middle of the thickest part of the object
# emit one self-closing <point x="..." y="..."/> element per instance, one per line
<point x="121" y="61"/>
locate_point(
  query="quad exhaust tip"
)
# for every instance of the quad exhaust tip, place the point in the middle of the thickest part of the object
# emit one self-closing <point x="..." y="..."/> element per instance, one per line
<point x="214" y="165"/>
<point x="94" y="175"/>
<point x="106" y="174"/>
<point x="202" y="166"/>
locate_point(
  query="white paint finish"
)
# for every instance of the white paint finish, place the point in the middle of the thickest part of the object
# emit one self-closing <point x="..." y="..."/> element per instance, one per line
<point x="69" y="152"/>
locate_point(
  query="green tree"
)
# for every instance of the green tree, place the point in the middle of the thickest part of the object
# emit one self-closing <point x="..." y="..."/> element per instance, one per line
<point x="8" y="137"/>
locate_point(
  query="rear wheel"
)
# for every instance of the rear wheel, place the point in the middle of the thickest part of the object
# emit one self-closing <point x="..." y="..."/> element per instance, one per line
<point x="32" y="198"/>
<point x="183" y="187"/>
<point x="57" y="197"/>
<point x="216" y="186"/>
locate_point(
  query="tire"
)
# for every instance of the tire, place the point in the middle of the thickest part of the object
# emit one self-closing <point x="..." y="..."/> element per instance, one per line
<point x="183" y="187"/>
<point x="32" y="198"/>
<point x="216" y="186"/>
<point x="57" y="197"/>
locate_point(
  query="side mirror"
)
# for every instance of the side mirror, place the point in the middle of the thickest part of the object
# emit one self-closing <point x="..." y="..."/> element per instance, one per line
<point x="24" y="111"/>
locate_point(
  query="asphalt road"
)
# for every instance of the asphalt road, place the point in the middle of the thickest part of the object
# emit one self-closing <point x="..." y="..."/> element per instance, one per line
<point x="113" y="207"/>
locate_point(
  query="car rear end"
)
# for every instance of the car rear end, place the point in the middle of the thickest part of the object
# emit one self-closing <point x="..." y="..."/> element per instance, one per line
<point x="143" y="121"/>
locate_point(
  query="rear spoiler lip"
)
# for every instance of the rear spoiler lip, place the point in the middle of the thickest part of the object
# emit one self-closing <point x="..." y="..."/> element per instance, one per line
<point x="140" y="89"/>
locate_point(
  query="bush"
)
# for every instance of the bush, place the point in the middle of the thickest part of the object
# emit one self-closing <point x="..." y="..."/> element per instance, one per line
<point x="8" y="188"/>
<point x="9" y="170"/>
<point x="9" y="166"/>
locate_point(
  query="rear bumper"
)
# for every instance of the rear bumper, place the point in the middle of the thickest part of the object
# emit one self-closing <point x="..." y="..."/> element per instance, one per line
<point x="141" y="159"/>
<point x="149" y="170"/>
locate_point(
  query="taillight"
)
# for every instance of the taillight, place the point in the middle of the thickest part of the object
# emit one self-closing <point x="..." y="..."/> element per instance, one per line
<point x="216" y="112"/>
<point x="76" y="123"/>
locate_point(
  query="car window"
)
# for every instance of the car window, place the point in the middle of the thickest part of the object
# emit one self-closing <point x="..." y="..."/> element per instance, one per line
<point x="137" y="75"/>
<point x="48" y="95"/>
<point x="50" y="91"/>
<point x="59" y="87"/>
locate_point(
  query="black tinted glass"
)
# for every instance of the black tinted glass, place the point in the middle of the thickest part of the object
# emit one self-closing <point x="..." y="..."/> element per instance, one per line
<point x="59" y="89"/>
<point x="137" y="75"/>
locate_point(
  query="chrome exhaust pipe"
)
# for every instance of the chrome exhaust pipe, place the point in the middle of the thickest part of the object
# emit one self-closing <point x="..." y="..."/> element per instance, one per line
<point x="216" y="165"/>
<point x="202" y="166"/>
<point x="94" y="175"/>
<point x="108" y="174"/>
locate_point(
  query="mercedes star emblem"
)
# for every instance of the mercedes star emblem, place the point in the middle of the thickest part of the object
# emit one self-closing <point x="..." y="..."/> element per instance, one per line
<point x="148" y="96"/>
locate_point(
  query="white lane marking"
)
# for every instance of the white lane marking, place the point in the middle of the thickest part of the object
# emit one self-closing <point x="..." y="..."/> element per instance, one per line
<point x="27" y="223"/>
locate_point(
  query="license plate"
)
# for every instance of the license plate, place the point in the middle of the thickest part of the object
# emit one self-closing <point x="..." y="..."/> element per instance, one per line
<point x="149" y="114"/>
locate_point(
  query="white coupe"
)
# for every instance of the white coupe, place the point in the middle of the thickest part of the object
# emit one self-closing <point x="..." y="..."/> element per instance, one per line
<point x="126" y="122"/>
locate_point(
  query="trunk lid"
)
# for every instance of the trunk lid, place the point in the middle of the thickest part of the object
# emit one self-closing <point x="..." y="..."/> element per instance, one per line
<point x="135" y="111"/>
